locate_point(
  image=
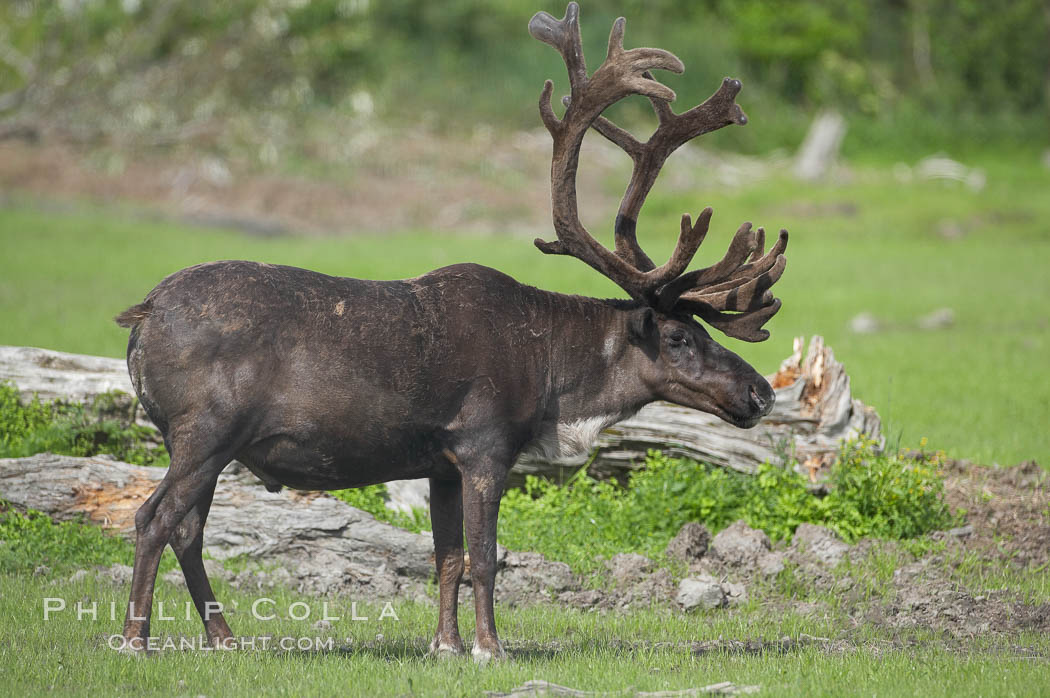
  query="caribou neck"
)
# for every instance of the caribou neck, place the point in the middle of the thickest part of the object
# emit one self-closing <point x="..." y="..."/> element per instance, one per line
<point x="593" y="364"/>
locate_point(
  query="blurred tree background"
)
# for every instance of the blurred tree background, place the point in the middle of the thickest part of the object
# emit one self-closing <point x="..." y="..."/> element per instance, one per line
<point x="263" y="76"/>
<point x="384" y="138"/>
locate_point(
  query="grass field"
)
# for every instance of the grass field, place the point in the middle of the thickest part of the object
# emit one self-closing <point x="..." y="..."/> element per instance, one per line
<point x="977" y="389"/>
<point x="866" y="243"/>
<point x="619" y="653"/>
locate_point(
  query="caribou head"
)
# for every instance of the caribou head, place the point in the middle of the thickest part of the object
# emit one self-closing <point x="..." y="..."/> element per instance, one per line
<point x="686" y="365"/>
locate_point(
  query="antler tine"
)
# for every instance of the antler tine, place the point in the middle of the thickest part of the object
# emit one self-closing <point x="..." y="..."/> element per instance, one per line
<point x="745" y="326"/>
<point x="742" y="294"/>
<point x="718" y="111"/>
<point x="623" y="72"/>
<point x="735" y="286"/>
<point x="732" y="295"/>
<point x="564" y="35"/>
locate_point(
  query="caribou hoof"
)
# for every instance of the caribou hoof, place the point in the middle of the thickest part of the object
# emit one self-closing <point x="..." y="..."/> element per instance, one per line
<point x="484" y="655"/>
<point x="446" y="650"/>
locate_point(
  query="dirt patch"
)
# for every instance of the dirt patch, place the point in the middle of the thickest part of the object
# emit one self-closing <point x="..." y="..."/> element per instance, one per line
<point x="1007" y="528"/>
<point x="783" y="645"/>
<point x="1007" y="509"/>
<point x="926" y="595"/>
<point x="411" y="181"/>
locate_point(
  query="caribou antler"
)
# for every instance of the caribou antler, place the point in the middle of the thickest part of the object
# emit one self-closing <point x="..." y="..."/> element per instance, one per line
<point x="740" y="282"/>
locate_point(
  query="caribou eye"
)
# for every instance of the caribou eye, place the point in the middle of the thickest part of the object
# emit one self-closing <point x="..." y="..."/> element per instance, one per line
<point x="677" y="339"/>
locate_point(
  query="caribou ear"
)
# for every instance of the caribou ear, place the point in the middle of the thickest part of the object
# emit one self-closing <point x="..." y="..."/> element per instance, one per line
<point x="642" y="324"/>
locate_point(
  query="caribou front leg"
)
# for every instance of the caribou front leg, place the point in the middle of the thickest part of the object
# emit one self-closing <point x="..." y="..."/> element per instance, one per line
<point x="482" y="489"/>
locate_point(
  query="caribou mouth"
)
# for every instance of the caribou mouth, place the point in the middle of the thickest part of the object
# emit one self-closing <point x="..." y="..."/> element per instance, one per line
<point x="746" y="422"/>
<point x="741" y="421"/>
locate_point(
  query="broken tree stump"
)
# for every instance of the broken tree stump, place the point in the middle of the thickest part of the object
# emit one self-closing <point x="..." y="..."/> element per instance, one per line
<point x="818" y="152"/>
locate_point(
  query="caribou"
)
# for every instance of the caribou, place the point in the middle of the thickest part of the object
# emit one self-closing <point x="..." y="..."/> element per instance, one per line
<point x="319" y="382"/>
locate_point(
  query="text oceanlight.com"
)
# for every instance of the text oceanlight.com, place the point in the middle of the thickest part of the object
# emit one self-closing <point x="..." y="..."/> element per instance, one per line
<point x="201" y="643"/>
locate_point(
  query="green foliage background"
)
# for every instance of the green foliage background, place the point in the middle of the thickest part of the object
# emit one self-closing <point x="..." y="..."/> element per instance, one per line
<point x="904" y="71"/>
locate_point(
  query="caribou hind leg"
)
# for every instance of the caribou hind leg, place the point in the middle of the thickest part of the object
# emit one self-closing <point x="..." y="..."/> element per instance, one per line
<point x="446" y="518"/>
<point x="188" y="542"/>
<point x="191" y="478"/>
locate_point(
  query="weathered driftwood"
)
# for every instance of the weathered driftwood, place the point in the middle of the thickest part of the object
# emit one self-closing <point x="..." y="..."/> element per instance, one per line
<point x="311" y="541"/>
<point x="814" y="412"/>
<point x="325" y="544"/>
<point x="57" y="374"/>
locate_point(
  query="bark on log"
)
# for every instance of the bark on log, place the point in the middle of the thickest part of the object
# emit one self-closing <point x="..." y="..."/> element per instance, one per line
<point x="59" y="375"/>
<point x="814" y="412"/>
<point x="325" y="544"/>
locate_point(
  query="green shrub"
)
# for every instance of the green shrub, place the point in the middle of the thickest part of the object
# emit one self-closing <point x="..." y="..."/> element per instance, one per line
<point x="883" y="496"/>
<point x="103" y="426"/>
<point x="871" y="494"/>
<point x="18" y="421"/>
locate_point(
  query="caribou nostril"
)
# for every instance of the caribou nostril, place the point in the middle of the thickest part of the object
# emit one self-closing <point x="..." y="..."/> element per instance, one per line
<point x="759" y="402"/>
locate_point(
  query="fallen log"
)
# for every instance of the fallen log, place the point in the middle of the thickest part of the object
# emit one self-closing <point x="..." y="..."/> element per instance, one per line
<point x="324" y="544"/>
<point x="52" y="375"/>
<point x="814" y="412"/>
<point x="311" y="541"/>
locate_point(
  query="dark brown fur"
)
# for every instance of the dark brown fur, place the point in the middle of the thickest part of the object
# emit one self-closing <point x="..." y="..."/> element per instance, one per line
<point x="320" y="382"/>
<point x="133" y="315"/>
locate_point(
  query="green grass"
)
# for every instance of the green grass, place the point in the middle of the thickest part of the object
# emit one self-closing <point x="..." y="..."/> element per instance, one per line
<point x="863" y="243"/>
<point x="621" y="653"/>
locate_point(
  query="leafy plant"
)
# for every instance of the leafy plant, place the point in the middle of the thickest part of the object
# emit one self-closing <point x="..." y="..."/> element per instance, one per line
<point x="106" y="425"/>
<point x="877" y="495"/>
<point x="373" y="499"/>
<point x="872" y="494"/>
